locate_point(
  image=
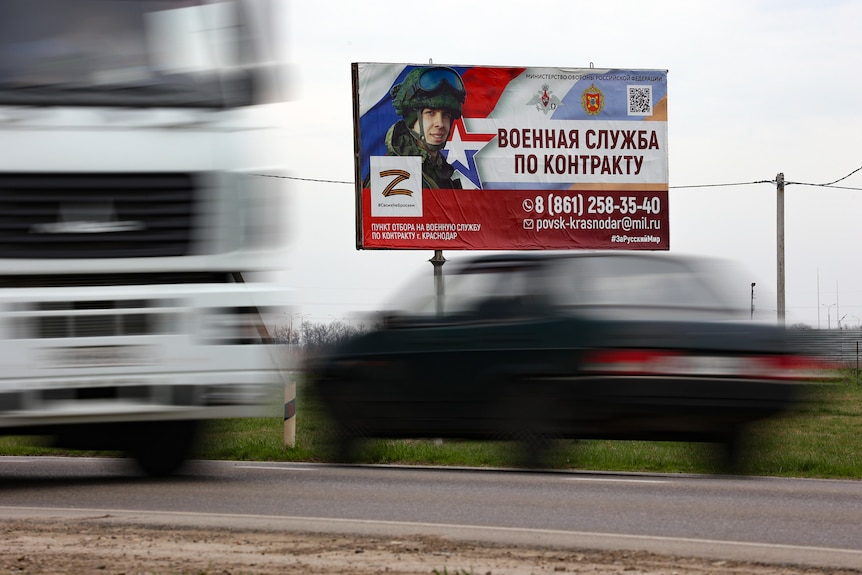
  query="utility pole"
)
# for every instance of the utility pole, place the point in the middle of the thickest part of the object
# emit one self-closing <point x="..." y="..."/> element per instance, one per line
<point x="779" y="181"/>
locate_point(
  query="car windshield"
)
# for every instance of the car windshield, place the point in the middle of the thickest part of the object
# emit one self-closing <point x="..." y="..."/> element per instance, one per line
<point x="630" y="285"/>
<point x="120" y="53"/>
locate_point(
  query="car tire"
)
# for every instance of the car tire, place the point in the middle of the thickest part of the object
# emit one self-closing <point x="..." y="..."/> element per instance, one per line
<point x="345" y="444"/>
<point x="525" y="405"/>
<point x="730" y="452"/>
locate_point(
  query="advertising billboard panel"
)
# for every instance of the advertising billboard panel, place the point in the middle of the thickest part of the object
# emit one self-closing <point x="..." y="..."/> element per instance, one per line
<point x="503" y="158"/>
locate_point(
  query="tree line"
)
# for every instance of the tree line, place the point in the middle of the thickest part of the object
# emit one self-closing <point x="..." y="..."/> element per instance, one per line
<point x="312" y="336"/>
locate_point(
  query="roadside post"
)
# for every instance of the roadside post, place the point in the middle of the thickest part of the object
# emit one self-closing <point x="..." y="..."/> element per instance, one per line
<point x="290" y="411"/>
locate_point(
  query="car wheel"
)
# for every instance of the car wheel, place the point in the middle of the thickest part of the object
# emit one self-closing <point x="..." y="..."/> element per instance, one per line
<point x="345" y="444"/>
<point x="730" y="451"/>
<point x="526" y="406"/>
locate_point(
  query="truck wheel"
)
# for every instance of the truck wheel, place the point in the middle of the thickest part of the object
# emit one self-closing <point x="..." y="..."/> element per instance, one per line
<point x="160" y="448"/>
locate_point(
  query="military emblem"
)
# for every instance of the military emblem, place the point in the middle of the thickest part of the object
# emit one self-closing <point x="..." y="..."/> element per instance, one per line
<point x="544" y="100"/>
<point x="396" y="186"/>
<point x="397" y="176"/>
<point x="592" y="100"/>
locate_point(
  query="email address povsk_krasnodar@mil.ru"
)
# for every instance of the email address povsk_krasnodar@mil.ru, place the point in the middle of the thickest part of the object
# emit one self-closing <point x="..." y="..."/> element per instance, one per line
<point x="625" y="224"/>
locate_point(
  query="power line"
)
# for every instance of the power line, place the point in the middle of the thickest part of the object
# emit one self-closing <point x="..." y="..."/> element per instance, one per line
<point x="304" y="179"/>
<point x="844" y="178"/>
<point x="826" y="185"/>
<point x="830" y="184"/>
<point x="352" y="183"/>
<point x="728" y="184"/>
<point x="721" y="185"/>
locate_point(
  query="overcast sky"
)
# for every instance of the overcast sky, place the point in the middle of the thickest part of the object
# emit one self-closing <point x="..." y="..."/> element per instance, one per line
<point x="755" y="87"/>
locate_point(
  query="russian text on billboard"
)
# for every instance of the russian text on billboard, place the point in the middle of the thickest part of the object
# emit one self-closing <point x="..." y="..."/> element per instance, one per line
<point x="498" y="158"/>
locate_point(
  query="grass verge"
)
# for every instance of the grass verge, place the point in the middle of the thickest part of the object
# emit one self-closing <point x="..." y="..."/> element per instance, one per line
<point x="819" y="439"/>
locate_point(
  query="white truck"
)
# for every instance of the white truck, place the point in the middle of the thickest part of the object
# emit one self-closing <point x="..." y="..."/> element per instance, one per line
<point x="134" y="216"/>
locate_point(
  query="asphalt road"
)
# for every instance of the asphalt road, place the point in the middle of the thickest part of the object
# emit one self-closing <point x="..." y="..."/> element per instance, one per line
<point x="815" y="522"/>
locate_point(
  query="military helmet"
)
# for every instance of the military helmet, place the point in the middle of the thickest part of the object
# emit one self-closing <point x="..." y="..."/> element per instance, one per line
<point x="428" y="87"/>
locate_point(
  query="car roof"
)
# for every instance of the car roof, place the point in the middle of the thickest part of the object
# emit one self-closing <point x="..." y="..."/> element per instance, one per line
<point x="542" y="256"/>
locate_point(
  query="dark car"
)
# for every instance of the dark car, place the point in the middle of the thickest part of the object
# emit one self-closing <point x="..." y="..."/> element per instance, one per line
<point x="540" y="345"/>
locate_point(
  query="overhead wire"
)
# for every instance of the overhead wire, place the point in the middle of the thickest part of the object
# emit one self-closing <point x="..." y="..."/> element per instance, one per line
<point x="722" y="185"/>
<point x="691" y="186"/>
<point x="830" y="184"/>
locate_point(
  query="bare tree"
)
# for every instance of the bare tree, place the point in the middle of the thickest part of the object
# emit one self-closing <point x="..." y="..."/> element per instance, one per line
<point x="314" y="336"/>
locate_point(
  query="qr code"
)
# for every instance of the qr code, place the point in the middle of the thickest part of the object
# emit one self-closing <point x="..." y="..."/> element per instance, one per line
<point x="640" y="100"/>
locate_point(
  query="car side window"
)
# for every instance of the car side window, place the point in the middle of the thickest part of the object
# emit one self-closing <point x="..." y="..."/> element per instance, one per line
<point x="496" y="291"/>
<point x="629" y="281"/>
<point x="514" y="294"/>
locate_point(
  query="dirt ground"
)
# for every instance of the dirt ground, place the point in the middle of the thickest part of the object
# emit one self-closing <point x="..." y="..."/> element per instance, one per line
<point x="64" y="547"/>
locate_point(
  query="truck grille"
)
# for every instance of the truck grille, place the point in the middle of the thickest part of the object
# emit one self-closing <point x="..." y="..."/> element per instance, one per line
<point x="45" y="216"/>
<point x="95" y="319"/>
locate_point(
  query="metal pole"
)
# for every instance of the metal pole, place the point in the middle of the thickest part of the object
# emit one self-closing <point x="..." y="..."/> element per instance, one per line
<point x="779" y="180"/>
<point x="437" y="261"/>
<point x="818" y="298"/>
<point x="837" y="307"/>
<point x="752" y="300"/>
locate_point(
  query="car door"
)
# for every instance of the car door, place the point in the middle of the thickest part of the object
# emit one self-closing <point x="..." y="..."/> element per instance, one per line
<point x="489" y="331"/>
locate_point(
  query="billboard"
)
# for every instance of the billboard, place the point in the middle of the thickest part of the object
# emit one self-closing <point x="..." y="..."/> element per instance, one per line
<point x="504" y="158"/>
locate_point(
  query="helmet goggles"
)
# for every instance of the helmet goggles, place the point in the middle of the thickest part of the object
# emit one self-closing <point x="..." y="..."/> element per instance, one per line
<point x="438" y="79"/>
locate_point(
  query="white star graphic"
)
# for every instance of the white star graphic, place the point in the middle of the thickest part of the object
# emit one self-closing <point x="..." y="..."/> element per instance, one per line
<point x="461" y="141"/>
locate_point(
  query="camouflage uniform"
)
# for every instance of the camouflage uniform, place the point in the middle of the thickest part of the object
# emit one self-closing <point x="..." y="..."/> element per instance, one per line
<point x="436" y="87"/>
<point x="436" y="172"/>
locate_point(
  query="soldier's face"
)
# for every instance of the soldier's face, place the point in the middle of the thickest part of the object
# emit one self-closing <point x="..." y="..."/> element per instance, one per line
<point x="436" y="124"/>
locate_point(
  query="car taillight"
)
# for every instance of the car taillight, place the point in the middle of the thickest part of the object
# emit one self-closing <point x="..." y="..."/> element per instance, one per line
<point x="648" y="362"/>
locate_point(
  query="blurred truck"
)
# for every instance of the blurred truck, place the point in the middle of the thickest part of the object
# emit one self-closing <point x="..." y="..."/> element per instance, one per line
<point x="135" y="221"/>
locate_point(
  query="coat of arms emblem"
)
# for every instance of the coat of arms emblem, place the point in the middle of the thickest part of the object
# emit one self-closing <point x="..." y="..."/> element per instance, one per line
<point x="544" y="100"/>
<point x="592" y="100"/>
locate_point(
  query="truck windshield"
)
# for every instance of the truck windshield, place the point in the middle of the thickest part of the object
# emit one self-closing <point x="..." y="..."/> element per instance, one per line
<point x="140" y="53"/>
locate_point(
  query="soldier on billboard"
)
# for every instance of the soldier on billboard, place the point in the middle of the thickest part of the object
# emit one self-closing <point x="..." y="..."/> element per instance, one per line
<point x="429" y="100"/>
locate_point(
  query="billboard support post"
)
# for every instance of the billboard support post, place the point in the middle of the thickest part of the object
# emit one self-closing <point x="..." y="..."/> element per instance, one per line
<point x="437" y="261"/>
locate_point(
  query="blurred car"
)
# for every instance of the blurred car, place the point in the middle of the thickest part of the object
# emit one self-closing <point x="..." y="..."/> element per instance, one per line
<point x="540" y="345"/>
